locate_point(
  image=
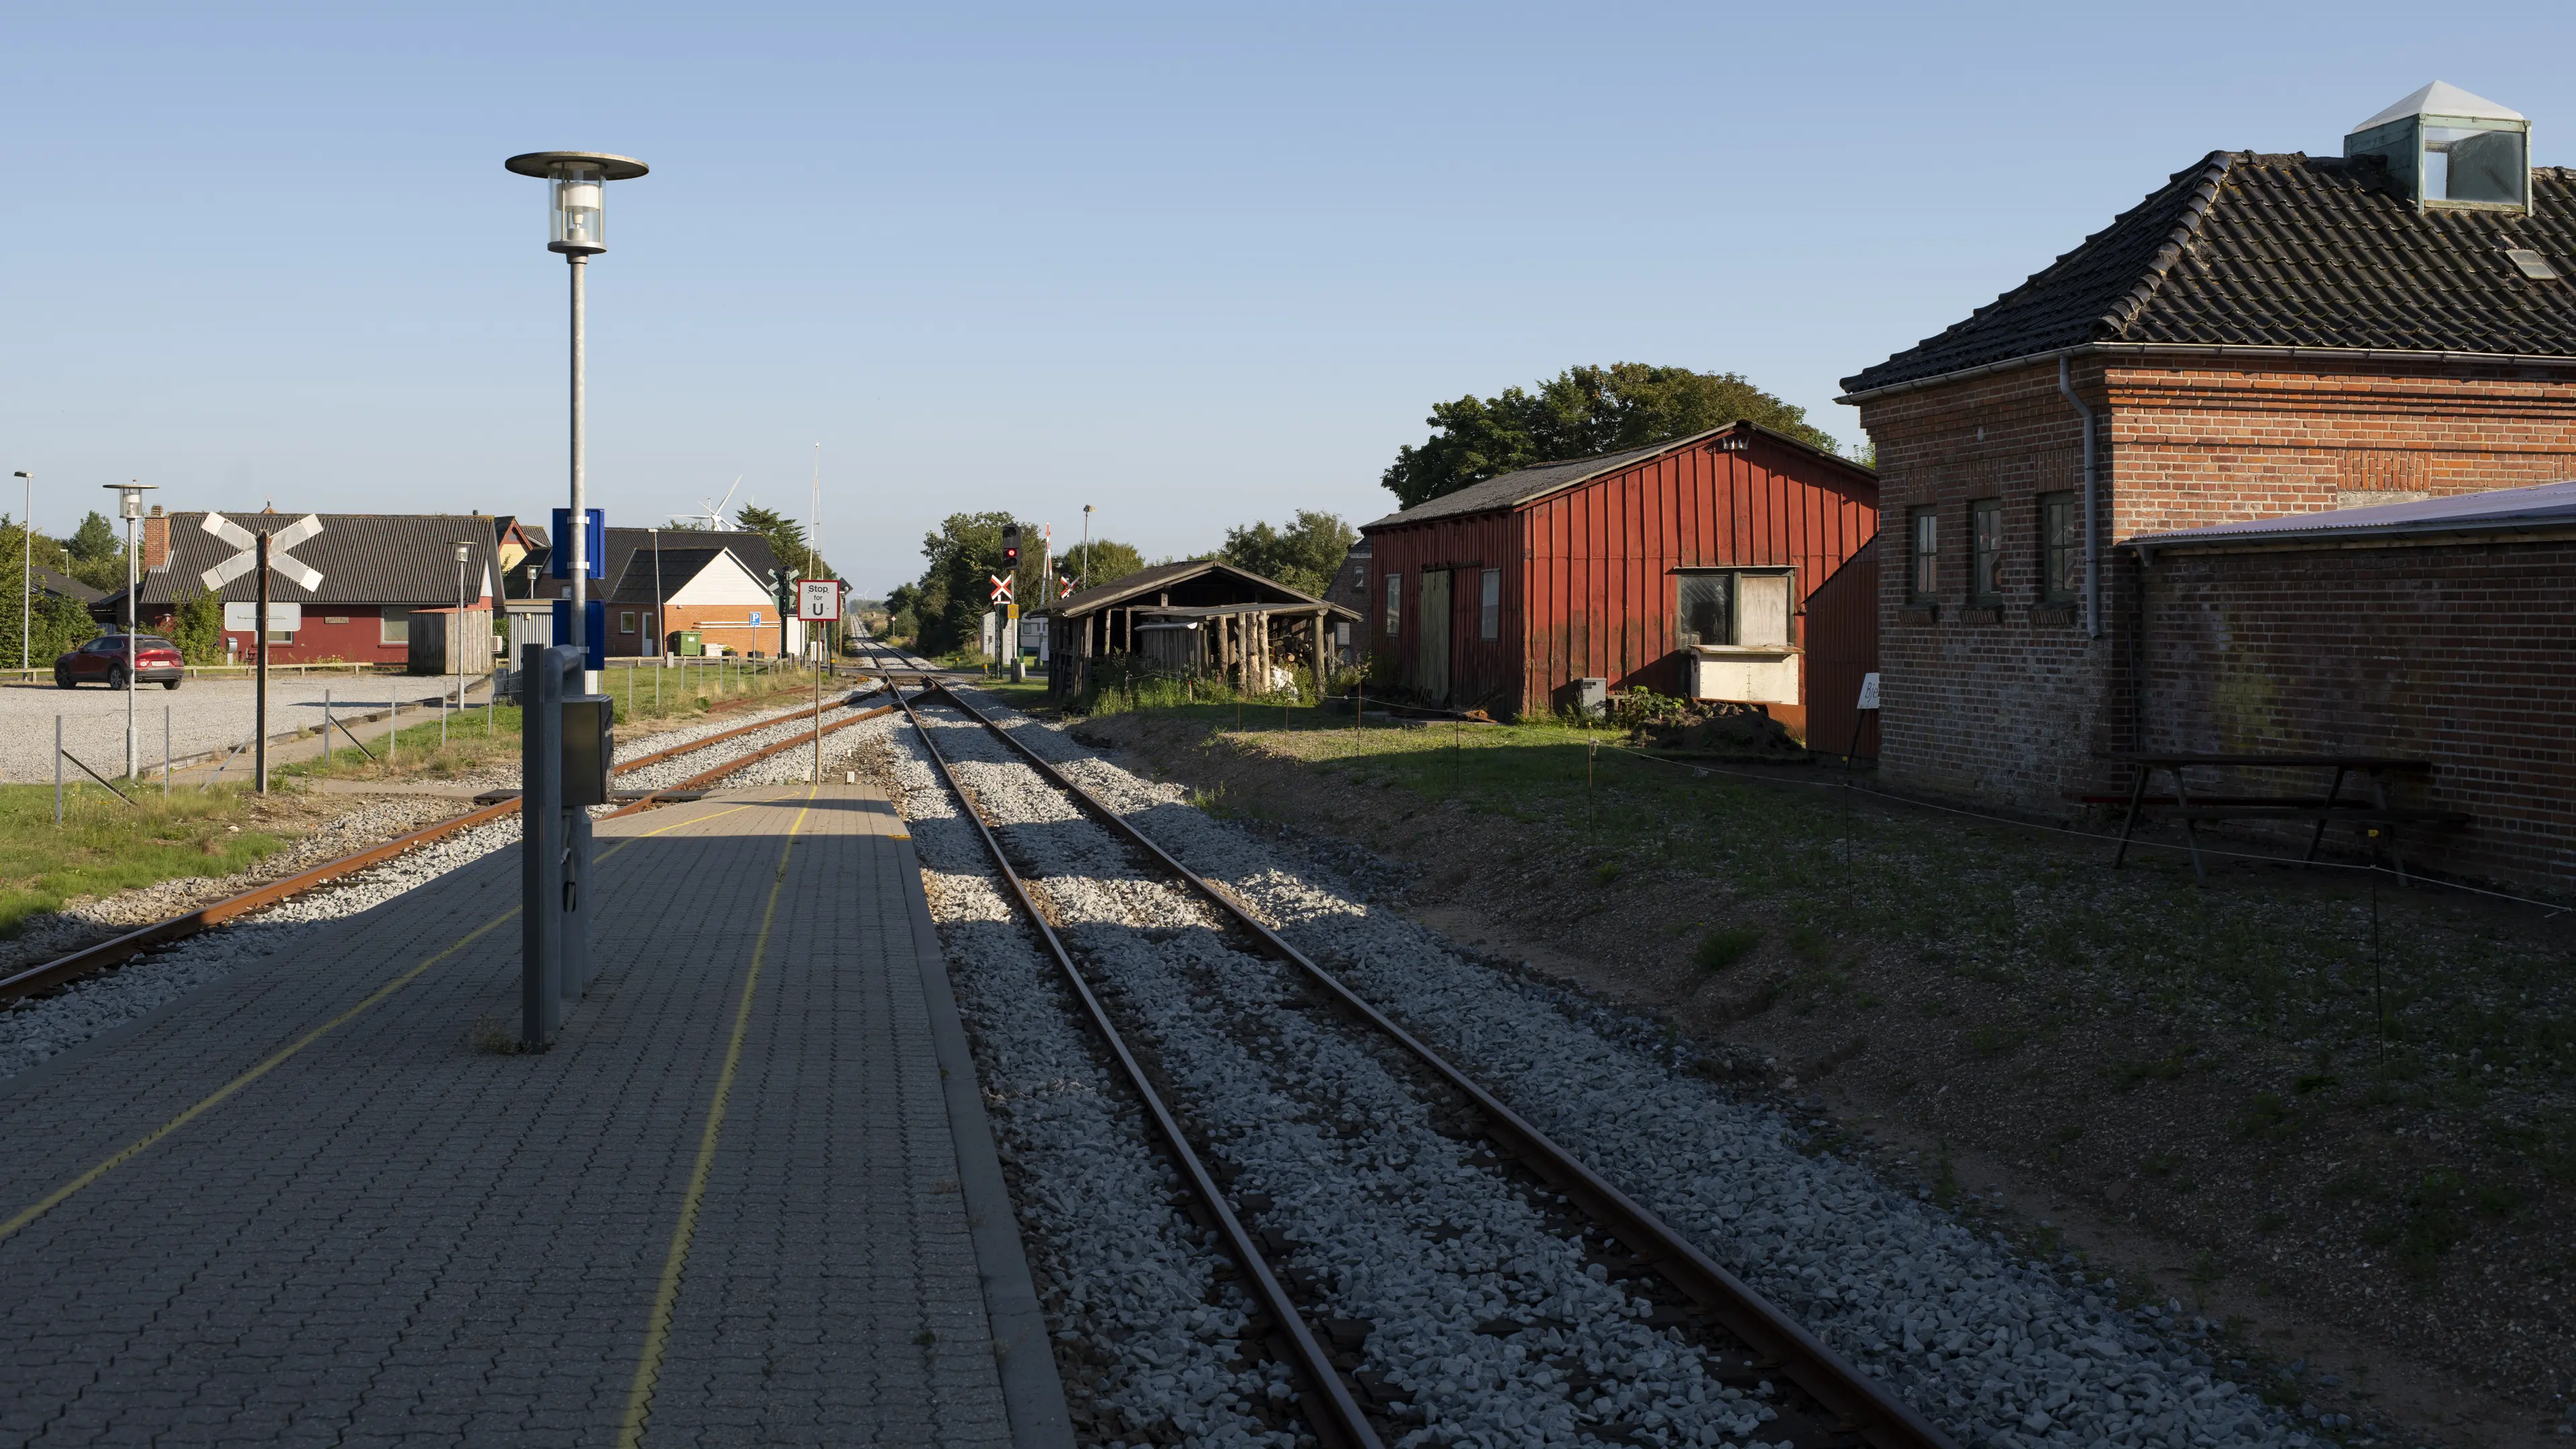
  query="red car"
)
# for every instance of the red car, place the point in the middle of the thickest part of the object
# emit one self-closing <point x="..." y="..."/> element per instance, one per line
<point x="156" y="661"/>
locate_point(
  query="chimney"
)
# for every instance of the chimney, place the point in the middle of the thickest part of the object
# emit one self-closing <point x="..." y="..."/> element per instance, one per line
<point x="156" y="541"/>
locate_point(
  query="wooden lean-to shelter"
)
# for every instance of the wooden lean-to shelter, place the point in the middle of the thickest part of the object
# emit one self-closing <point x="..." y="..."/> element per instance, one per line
<point x="1193" y="620"/>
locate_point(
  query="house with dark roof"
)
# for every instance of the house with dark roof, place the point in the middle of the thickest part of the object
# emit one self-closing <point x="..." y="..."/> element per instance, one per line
<point x="383" y="576"/>
<point x="660" y="582"/>
<point x="1684" y="567"/>
<point x="2263" y="337"/>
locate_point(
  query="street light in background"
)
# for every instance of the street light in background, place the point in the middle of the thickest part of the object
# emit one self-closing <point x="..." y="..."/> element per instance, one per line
<point x="456" y="639"/>
<point x="129" y="506"/>
<point x="27" y="593"/>
<point x="577" y="186"/>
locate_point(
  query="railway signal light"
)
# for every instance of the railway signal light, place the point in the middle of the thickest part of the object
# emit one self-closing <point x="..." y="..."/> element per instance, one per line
<point x="1011" y="547"/>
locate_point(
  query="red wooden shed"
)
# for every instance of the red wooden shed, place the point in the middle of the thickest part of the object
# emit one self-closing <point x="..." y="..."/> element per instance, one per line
<point x="1684" y="568"/>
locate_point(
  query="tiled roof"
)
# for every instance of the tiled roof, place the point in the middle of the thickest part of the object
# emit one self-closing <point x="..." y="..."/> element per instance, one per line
<point x="628" y="570"/>
<point x="2289" y="251"/>
<point x="365" y="558"/>
<point x="2503" y="510"/>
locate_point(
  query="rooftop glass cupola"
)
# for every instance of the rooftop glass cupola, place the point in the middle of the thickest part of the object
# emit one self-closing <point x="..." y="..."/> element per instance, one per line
<point x="2448" y="149"/>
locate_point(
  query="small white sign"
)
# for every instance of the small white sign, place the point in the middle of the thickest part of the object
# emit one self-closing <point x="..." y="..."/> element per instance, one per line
<point x="818" y="601"/>
<point x="244" y="618"/>
<point x="1869" y="691"/>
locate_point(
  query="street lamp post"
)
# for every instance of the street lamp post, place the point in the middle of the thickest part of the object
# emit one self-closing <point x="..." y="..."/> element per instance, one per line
<point x="456" y="640"/>
<point x="129" y="505"/>
<point x="578" y="183"/>
<point x="27" y="590"/>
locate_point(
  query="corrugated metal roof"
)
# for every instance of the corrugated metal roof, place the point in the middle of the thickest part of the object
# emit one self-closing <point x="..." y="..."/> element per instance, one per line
<point x="1531" y="484"/>
<point x="365" y="558"/>
<point x="1163" y="576"/>
<point x="2548" y="505"/>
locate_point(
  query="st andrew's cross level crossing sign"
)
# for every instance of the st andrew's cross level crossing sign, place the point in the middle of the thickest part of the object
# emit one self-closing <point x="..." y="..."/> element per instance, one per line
<point x="259" y="549"/>
<point x="1001" y="587"/>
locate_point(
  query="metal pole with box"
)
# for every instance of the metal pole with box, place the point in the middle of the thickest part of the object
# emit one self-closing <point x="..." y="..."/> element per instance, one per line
<point x="565" y="744"/>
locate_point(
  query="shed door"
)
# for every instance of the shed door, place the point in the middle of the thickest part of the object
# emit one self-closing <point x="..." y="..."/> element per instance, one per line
<point x="1431" y="632"/>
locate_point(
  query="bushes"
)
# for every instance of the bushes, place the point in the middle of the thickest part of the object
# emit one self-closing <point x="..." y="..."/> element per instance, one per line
<point x="197" y="627"/>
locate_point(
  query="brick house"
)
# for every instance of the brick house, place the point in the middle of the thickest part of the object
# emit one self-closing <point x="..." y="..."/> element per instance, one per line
<point x="2440" y="629"/>
<point x="2263" y="336"/>
<point x="379" y="571"/>
<point x="657" y="582"/>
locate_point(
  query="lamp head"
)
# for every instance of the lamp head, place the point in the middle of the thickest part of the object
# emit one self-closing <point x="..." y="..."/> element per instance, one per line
<point x="129" y="497"/>
<point x="577" y="183"/>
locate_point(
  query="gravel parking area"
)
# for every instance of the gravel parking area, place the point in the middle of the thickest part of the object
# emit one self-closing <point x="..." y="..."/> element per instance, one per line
<point x="205" y="714"/>
<point x="1997" y="1348"/>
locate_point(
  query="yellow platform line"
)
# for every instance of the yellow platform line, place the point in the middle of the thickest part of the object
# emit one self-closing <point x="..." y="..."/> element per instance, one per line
<point x="207" y="1103"/>
<point x="657" y="1329"/>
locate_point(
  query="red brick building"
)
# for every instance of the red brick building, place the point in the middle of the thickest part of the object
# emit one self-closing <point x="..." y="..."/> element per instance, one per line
<point x="1684" y="568"/>
<point x="378" y="571"/>
<point x="2263" y="336"/>
<point x="2438" y="630"/>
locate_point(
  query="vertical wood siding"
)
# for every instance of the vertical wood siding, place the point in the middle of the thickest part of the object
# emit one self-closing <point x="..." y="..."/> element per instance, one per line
<point x="1587" y="585"/>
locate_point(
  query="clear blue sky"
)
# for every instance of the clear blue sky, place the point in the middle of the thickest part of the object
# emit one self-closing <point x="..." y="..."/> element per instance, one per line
<point x="1195" y="265"/>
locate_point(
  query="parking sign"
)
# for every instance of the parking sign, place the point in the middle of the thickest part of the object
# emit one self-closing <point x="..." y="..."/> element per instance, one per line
<point x="818" y="601"/>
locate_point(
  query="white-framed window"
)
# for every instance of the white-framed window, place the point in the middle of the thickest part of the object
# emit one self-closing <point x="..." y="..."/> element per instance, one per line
<point x="394" y="627"/>
<point x="1489" y="605"/>
<point x="626" y="621"/>
<point x="1744" y="607"/>
<point x="1394" y="604"/>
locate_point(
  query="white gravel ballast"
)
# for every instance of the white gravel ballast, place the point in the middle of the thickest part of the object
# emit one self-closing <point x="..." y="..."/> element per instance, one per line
<point x="1994" y="1348"/>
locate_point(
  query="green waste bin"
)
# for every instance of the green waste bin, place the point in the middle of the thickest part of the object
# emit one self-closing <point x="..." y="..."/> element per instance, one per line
<point x="688" y="642"/>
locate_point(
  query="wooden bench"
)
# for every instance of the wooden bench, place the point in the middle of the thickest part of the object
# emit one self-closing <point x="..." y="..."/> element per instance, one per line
<point x="2323" y="809"/>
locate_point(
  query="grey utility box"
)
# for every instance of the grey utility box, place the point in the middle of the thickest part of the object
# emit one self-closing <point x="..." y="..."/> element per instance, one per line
<point x="1589" y="698"/>
<point x="589" y="745"/>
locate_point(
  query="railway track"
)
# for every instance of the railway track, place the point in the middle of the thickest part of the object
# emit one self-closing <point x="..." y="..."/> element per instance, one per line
<point x="1708" y="1340"/>
<point x="162" y="934"/>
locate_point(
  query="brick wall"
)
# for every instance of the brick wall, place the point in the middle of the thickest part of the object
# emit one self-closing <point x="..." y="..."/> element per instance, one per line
<point x="2009" y="701"/>
<point x="2457" y="653"/>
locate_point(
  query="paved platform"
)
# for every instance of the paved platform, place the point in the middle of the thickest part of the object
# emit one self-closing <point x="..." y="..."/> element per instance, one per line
<point x="749" y="1197"/>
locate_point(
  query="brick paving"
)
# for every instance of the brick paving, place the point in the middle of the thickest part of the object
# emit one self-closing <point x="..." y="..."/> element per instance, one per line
<point x="399" y="1235"/>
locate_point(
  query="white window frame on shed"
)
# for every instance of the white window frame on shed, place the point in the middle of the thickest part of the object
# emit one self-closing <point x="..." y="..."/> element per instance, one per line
<point x="393" y="625"/>
<point x="1757" y="659"/>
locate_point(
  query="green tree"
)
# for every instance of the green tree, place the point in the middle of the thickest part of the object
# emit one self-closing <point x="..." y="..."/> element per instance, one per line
<point x="1107" y="562"/>
<point x="58" y="624"/>
<point x="1582" y="412"/>
<point x="786" y="539"/>
<point x="902" y="605"/>
<point x="964" y="552"/>
<point x="197" y="627"/>
<point x="98" y="556"/>
<point x="1304" y="555"/>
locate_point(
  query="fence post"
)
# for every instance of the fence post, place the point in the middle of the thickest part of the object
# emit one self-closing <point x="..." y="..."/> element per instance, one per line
<point x="165" y="752"/>
<point x="58" y="769"/>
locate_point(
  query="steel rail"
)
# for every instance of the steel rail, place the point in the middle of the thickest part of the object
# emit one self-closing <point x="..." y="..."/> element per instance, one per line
<point x="1860" y="1404"/>
<point x="159" y="933"/>
<point x="133" y="943"/>
<point x="1340" y="1420"/>
<point x="658" y="756"/>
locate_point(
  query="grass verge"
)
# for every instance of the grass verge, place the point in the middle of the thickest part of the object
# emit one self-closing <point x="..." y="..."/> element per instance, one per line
<point x="104" y="845"/>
